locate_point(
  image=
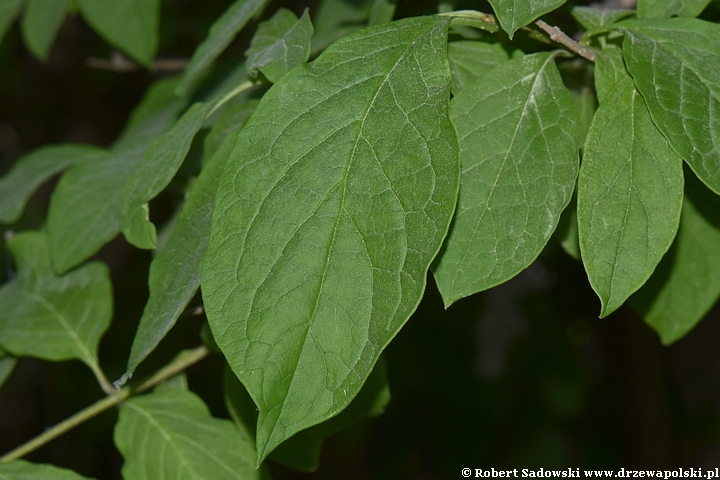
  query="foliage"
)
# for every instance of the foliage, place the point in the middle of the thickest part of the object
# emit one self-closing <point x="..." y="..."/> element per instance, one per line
<point x="456" y="144"/>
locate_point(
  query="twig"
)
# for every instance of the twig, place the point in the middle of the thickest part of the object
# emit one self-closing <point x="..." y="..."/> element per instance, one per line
<point x="173" y="368"/>
<point x="557" y="35"/>
<point x="120" y="63"/>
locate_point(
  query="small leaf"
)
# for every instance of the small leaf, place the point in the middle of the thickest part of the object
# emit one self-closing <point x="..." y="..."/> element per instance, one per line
<point x="184" y="440"/>
<point x="175" y="272"/>
<point x="470" y="59"/>
<point x="51" y="317"/>
<point x="40" y="23"/>
<point x="333" y="204"/>
<point x="152" y="174"/>
<point x="22" y="470"/>
<point x="609" y="68"/>
<point x="519" y="140"/>
<point x="130" y="25"/>
<point x="219" y="37"/>
<point x="686" y="284"/>
<point x="85" y="208"/>
<point x="302" y="450"/>
<point x="675" y="64"/>
<point x="515" y="14"/>
<point x="591" y="18"/>
<point x="567" y="230"/>
<point x="280" y="44"/>
<point x="36" y="168"/>
<point x="336" y="19"/>
<point x="9" y="10"/>
<point x="7" y="364"/>
<point x="629" y="197"/>
<point x="667" y="8"/>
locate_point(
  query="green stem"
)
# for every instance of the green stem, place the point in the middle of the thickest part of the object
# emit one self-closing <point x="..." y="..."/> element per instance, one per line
<point x="173" y="368"/>
<point x="247" y="85"/>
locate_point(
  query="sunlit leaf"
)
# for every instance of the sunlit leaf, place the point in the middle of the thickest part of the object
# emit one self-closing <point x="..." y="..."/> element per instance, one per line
<point x="171" y="434"/>
<point x="519" y="139"/>
<point x="333" y="204"/>
<point x="629" y="197"/>
<point x="51" y="317"/>
<point x="675" y="64"/>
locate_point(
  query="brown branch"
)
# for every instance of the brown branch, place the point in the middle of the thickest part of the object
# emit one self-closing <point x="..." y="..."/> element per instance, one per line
<point x="558" y="36"/>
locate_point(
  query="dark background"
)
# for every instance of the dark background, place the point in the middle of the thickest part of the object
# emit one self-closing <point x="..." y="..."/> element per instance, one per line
<point x="521" y="376"/>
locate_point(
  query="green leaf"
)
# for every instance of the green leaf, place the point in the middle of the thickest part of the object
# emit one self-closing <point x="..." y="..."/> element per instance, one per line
<point x="280" y="44"/>
<point x="36" y="168"/>
<point x="686" y="284"/>
<point x="609" y="68"/>
<point x="567" y="230"/>
<point x="338" y="18"/>
<point x="153" y="173"/>
<point x="40" y="23"/>
<point x="470" y="59"/>
<point x="515" y="14"/>
<point x="629" y="197"/>
<point x="591" y="18"/>
<point x="381" y="11"/>
<point x="667" y="8"/>
<point x="22" y="470"/>
<point x="9" y="10"/>
<point x="130" y="25"/>
<point x="171" y="434"/>
<point x="219" y="37"/>
<point x="519" y="139"/>
<point x="51" y="317"/>
<point x="333" y="204"/>
<point x="302" y="450"/>
<point x="175" y="272"/>
<point x="675" y="64"/>
<point x="7" y="364"/>
<point x="232" y="119"/>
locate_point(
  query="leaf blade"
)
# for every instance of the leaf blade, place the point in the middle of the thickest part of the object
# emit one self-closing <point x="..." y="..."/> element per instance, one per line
<point x="485" y="248"/>
<point x="515" y="14"/>
<point x="302" y="255"/>
<point x="629" y="197"/>
<point x="40" y="24"/>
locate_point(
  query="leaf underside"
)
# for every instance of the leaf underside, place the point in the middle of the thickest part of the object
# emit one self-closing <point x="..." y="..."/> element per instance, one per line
<point x="335" y="201"/>
<point x="515" y="14"/>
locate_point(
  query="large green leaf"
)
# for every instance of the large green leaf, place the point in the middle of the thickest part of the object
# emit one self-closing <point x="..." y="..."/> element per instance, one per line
<point x="675" y="64"/>
<point x="280" y="44"/>
<point x="302" y="450"/>
<point x="40" y="23"/>
<point x="686" y="284"/>
<point x="219" y="37"/>
<point x="231" y="120"/>
<point x="153" y="173"/>
<point x="85" y="208"/>
<point x="175" y="272"/>
<point x="515" y="14"/>
<point x="667" y="8"/>
<point x="9" y="10"/>
<point x="130" y="25"/>
<point x="470" y="59"/>
<point x="171" y="434"/>
<point x="51" y="317"/>
<point x="22" y="470"/>
<point x="36" y="168"/>
<point x="629" y="197"/>
<point x="519" y="140"/>
<point x="334" y="202"/>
